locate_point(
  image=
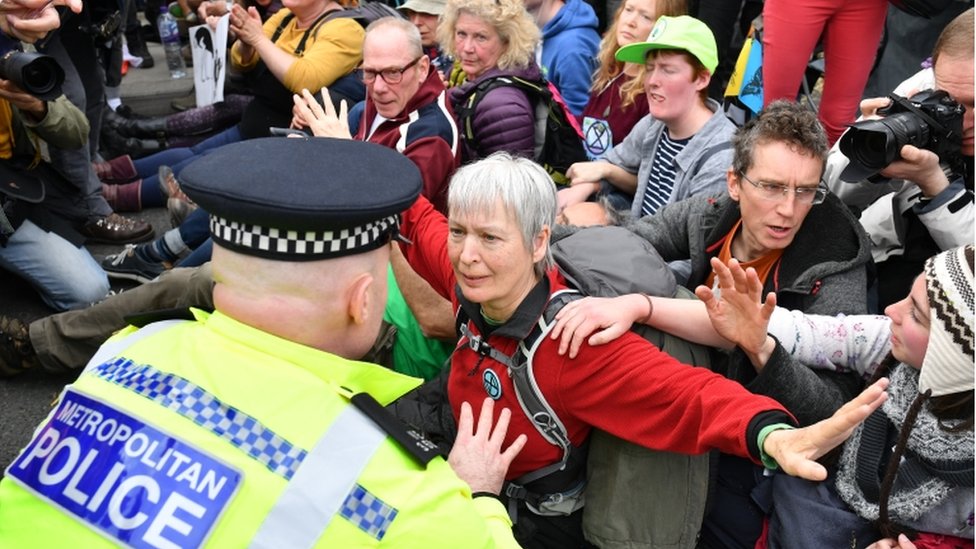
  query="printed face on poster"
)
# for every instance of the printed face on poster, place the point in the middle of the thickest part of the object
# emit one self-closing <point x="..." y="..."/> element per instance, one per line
<point x="209" y="61"/>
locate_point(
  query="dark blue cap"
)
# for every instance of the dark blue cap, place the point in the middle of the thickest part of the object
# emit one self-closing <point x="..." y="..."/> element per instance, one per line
<point x="296" y="199"/>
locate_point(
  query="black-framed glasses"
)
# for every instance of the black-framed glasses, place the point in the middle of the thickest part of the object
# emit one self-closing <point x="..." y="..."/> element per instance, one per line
<point x="777" y="192"/>
<point x="392" y="75"/>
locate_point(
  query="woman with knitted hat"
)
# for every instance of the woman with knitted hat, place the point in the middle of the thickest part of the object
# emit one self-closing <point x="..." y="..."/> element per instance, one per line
<point x="907" y="472"/>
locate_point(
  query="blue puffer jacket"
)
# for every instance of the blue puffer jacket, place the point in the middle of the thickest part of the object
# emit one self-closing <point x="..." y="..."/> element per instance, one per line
<point x="569" y="45"/>
<point x="504" y="119"/>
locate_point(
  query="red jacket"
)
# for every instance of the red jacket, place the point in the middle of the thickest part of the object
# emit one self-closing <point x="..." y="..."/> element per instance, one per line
<point x="628" y="387"/>
<point x="425" y="132"/>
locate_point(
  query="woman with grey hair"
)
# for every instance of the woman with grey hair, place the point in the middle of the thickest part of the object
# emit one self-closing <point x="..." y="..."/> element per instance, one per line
<point x="492" y="39"/>
<point x="491" y="257"/>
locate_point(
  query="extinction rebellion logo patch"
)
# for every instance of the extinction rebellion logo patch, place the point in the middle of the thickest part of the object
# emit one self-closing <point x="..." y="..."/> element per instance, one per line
<point x="493" y="385"/>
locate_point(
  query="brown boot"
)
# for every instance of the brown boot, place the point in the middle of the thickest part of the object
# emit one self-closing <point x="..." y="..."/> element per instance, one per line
<point x="126" y="197"/>
<point x="16" y="352"/>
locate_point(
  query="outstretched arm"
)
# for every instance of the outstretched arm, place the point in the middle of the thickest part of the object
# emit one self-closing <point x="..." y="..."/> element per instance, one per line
<point x="795" y="450"/>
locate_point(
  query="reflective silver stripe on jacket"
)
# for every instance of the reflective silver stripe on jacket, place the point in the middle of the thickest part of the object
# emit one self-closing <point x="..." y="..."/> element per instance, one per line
<point x="323" y="483"/>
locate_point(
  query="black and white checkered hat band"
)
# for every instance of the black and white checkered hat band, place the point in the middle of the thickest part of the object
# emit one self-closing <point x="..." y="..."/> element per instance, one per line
<point x="288" y="245"/>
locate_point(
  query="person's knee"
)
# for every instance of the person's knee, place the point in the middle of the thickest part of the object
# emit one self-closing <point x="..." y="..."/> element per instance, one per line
<point x="86" y="289"/>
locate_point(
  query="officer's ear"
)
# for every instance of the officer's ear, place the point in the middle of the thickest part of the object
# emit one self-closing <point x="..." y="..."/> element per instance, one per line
<point x="359" y="299"/>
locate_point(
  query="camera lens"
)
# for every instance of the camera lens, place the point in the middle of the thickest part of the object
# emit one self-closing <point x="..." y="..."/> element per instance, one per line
<point x="37" y="74"/>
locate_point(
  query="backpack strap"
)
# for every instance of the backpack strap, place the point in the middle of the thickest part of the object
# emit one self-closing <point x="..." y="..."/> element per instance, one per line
<point x="535" y="407"/>
<point x="533" y="402"/>
<point x="314" y="27"/>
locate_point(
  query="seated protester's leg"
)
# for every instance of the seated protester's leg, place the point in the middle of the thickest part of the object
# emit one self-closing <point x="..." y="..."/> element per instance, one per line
<point x="177" y="159"/>
<point x="199" y="256"/>
<point x="67" y="341"/>
<point x="195" y="229"/>
<point x="66" y="276"/>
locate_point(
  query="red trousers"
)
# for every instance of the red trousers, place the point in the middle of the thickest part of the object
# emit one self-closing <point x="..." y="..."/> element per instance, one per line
<point x="851" y="32"/>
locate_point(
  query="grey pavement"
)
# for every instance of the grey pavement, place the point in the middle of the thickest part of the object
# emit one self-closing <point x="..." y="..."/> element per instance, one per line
<point x="25" y="400"/>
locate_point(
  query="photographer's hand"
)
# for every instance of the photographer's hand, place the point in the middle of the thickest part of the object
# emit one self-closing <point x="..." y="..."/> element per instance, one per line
<point x="25" y="102"/>
<point x="920" y="166"/>
<point x="869" y="107"/>
<point x="31" y="20"/>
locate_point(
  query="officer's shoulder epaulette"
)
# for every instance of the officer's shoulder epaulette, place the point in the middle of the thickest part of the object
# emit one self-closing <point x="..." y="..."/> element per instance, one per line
<point x="412" y="441"/>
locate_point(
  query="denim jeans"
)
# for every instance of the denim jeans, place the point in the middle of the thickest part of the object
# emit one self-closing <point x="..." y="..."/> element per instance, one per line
<point x="67" y="277"/>
<point x="177" y="158"/>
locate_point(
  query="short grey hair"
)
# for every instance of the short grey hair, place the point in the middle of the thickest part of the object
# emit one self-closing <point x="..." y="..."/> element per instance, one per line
<point x="409" y="30"/>
<point x="524" y="188"/>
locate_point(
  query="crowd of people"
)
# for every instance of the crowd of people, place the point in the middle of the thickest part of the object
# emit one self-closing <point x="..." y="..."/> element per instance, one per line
<point x="370" y="323"/>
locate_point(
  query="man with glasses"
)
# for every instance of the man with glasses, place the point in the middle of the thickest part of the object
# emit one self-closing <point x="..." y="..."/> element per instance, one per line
<point x="405" y="108"/>
<point x="806" y="247"/>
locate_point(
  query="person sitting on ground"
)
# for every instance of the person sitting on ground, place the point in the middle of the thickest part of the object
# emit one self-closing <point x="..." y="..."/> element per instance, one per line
<point x="617" y="100"/>
<point x="490" y="39"/>
<point x="919" y="204"/>
<point x="567" y="53"/>
<point x="681" y="148"/>
<point x="246" y="453"/>
<point x="139" y="136"/>
<point x="41" y="213"/>
<point x="66" y="342"/>
<point x="405" y="110"/>
<point x="777" y="217"/>
<point x="304" y="45"/>
<point x="492" y="257"/>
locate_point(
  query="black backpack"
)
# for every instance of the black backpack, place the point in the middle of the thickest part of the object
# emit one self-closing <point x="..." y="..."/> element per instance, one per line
<point x="558" y="137"/>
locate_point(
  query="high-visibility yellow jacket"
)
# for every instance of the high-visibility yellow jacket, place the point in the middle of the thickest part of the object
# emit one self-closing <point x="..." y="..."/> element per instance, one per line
<point x="213" y="433"/>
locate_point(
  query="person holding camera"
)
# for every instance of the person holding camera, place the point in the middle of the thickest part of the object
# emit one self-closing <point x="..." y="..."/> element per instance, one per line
<point x="40" y="212"/>
<point x="921" y="202"/>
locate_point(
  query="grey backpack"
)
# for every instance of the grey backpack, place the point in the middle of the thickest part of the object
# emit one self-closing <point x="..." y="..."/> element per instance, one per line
<point x="635" y="497"/>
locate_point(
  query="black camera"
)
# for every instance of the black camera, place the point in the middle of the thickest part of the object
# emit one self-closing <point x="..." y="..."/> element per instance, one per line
<point x="37" y="74"/>
<point x="928" y="120"/>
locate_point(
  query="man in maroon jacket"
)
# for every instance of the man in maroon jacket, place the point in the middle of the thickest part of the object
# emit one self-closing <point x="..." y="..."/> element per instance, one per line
<point x="406" y="108"/>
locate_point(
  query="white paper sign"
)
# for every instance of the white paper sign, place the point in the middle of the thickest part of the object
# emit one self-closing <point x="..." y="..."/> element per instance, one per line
<point x="209" y="61"/>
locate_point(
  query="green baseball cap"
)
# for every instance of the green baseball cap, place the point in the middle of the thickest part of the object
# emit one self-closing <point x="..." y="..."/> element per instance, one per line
<point x="675" y="33"/>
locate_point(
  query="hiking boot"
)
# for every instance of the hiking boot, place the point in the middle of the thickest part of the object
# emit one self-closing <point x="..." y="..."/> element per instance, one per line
<point x="115" y="229"/>
<point x="177" y="203"/>
<point x="16" y="352"/>
<point x="128" y="265"/>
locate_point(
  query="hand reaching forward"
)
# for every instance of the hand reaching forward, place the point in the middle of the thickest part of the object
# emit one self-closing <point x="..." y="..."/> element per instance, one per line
<point x="796" y="449"/>
<point x="477" y="456"/>
<point x="323" y="122"/>
<point x="737" y="311"/>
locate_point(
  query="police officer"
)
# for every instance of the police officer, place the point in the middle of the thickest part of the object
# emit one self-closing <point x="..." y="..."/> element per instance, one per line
<point x="252" y="426"/>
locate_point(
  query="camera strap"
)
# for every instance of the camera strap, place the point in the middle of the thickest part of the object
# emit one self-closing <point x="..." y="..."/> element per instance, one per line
<point x="907" y="105"/>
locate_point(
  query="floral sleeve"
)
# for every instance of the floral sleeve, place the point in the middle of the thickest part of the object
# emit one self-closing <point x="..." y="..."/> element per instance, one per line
<point x="841" y="343"/>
